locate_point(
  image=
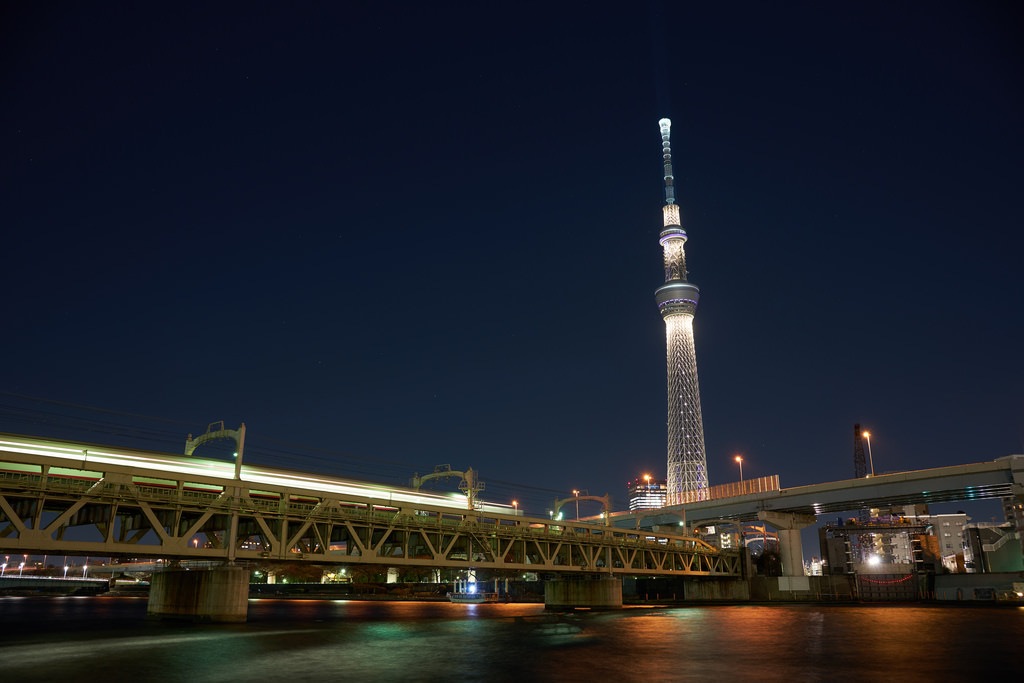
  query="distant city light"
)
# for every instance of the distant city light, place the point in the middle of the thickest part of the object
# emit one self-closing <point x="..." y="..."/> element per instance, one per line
<point x="645" y="493"/>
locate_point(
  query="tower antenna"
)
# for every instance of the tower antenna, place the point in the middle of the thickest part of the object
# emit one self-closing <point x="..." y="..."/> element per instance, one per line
<point x="666" y="153"/>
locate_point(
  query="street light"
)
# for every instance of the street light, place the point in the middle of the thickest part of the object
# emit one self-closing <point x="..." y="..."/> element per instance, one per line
<point x="739" y="459"/>
<point x="3" y="568"/>
<point x="867" y="437"/>
<point x="21" y="568"/>
<point x="66" y="568"/>
<point x="515" y="504"/>
<point x="576" y="493"/>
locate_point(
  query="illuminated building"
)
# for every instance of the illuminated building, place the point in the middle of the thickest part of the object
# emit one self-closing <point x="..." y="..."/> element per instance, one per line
<point x="949" y="529"/>
<point x="646" y="494"/>
<point x="883" y="544"/>
<point x="896" y="543"/>
<point x="677" y="302"/>
<point x="1013" y="510"/>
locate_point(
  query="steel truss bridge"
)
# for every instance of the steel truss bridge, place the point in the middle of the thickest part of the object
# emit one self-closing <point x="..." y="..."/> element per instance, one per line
<point x="60" y="497"/>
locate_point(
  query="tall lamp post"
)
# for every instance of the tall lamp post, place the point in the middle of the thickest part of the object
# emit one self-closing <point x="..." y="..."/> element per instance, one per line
<point x="576" y="492"/>
<point x="515" y="505"/>
<point x="739" y="461"/>
<point x="867" y="438"/>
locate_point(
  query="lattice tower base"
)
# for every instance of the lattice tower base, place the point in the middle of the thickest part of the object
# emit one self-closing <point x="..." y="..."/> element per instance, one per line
<point x="687" y="462"/>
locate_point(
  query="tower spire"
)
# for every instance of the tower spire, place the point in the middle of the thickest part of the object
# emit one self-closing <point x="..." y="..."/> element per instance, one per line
<point x="666" y="153"/>
<point x="677" y="300"/>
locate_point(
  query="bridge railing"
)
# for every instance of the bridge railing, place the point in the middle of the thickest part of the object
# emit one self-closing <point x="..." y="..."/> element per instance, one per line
<point x="733" y="489"/>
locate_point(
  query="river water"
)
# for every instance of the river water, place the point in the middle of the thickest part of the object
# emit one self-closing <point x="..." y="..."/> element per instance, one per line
<point x="77" y="639"/>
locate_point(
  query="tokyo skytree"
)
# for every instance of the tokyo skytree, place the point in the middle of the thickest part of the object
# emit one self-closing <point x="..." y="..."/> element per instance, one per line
<point x="677" y="301"/>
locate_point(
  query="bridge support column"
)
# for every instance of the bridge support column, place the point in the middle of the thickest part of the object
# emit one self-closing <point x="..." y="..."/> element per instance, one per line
<point x="791" y="546"/>
<point x="1013" y="507"/>
<point x="218" y="595"/>
<point x="604" y="592"/>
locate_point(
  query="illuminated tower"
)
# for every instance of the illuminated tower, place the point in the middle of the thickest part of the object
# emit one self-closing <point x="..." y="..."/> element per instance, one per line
<point x="677" y="301"/>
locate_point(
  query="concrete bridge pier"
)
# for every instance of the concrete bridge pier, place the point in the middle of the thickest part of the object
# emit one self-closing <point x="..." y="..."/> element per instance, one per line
<point x="791" y="546"/>
<point x="215" y="595"/>
<point x="593" y="592"/>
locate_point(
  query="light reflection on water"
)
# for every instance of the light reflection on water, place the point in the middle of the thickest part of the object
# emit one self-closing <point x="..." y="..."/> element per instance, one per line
<point x="313" y="640"/>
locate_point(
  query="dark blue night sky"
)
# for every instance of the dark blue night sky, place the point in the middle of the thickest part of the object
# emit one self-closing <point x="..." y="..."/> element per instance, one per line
<point x="388" y="236"/>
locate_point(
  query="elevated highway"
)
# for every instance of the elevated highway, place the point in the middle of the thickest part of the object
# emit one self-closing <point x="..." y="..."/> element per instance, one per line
<point x="1000" y="478"/>
<point x="791" y="509"/>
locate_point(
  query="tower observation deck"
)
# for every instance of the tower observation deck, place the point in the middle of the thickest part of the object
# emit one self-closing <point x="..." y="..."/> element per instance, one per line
<point x="677" y="300"/>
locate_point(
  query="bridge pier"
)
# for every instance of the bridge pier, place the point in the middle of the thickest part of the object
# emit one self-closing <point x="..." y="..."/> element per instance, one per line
<point x="568" y="592"/>
<point x="791" y="546"/>
<point x="217" y="595"/>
